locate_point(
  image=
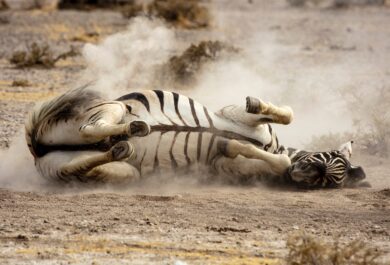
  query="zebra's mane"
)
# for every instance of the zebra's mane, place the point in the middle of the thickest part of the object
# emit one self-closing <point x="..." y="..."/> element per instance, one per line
<point x="64" y="107"/>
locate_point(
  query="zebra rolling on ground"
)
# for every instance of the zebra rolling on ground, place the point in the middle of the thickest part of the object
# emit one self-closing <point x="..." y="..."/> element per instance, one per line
<point x="81" y="136"/>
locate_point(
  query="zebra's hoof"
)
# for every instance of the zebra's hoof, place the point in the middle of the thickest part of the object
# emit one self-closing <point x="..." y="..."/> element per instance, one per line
<point x="139" y="128"/>
<point x="121" y="151"/>
<point x="253" y="105"/>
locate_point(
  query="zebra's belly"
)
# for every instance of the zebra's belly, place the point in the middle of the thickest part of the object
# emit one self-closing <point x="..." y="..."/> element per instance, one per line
<point x="174" y="151"/>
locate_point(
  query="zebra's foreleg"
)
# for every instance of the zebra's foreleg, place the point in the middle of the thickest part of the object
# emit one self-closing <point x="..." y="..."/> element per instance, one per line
<point x="106" y="119"/>
<point x="101" y="129"/>
<point x="81" y="166"/>
<point x="278" y="163"/>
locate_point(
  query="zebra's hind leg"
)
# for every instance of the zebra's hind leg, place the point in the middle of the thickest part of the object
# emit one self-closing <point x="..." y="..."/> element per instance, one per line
<point x="114" y="173"/>
<point x="277" y="163"/>
<point x="282" y="115"/>
<point x="84" y="165"/>
<point x="256" y="113"/>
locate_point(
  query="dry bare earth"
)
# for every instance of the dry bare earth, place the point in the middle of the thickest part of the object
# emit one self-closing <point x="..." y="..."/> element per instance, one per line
<point x="197" y="224"/>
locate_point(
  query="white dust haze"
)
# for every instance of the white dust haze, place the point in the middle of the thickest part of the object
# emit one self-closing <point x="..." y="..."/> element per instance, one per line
<point x="17" y="170"/>
<point x="127" y="61"/>
<point x="267" y="69"/>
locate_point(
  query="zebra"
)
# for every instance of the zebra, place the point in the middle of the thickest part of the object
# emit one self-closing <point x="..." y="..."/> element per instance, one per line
<point x="82" y="136"/>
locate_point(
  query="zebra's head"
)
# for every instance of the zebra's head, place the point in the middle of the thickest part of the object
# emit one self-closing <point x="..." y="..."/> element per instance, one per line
<point x="325" y="169"/>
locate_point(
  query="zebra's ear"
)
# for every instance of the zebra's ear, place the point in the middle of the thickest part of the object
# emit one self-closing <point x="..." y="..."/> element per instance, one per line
<point x="346" y="149"/>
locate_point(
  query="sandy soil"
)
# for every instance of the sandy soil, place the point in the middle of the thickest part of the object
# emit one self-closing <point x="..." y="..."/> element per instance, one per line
<point x="198" y="224"/>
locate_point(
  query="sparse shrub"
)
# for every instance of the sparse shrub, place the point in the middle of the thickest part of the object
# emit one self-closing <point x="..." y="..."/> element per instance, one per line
<point x="297" y="3"/>
<point x="334" y="3"/>
<point x="132" y="10"/>
<point x="92" y="4"/>
<point x="181" y="71"/>
<point x="87" y="37"/>
<point x="3" y="5"/>
<point x="346" y="3"/>
<point x="20" y="82"/>
<point x="370" y="110"/>
<point x="330" y="141"/>
<point x="181" y="13"/>
<point x="39" y="56"/>
<point x="301" y="3"/>
<point x="305" y="249"/>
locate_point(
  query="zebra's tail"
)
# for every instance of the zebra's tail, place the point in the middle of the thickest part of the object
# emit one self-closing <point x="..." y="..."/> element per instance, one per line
<point x="48" y="113"/>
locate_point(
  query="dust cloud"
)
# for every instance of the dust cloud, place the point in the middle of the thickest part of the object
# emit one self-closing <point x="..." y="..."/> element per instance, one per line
<point x="17" y="167"/>
<point x="128" y="61"/>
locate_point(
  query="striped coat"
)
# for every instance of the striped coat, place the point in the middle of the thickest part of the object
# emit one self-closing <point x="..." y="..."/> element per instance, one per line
<point x="184" y="133"/>
<point x="82" y="136"/>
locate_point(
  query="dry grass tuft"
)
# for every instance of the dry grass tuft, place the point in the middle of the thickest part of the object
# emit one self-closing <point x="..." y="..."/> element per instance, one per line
<point x="21" y="82"/>
<point x="39" y="56"/>
<point x="334" y="3"/>
<point x="181" y="71"/>
<point x="305" y="249"/>
<point x="187" y="14"/>
<point x="87" y="37"/>
<point x="3" y="5"/>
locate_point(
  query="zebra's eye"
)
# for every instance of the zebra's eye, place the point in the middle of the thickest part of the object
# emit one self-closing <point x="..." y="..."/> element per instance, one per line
<point x="128" y="107"/>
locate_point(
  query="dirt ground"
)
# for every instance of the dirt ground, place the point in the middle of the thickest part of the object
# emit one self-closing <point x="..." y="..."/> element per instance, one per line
<point x="196" y="224"/>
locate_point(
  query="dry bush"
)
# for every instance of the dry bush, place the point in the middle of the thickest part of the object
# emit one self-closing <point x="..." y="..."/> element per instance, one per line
<point x="181" y="71"/>
<point x="132" y="9"/>
<point x="305" y="249"/>
<point x="371" y="113"/>
<point x="334" y="3"/>
<point x="330" y="141"/>
<point x="187" y="14"/>
<point x="87" y="37"/>
<point x="39" y="56"/>
<point x="3" y="5"/>
<point x="20" y="82"/>
<point x="346" y="3"/>
<point x="93" y="4"/>
<point x="301" y="3"/>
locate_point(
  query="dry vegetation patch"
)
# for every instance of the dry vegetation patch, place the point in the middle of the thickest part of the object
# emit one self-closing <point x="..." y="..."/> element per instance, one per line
<point x="3" y="5"/>
<point x="335" y="3"/>
<point x="182" y="71"/>
<point x="181" y="13"/>
<point x="20" y="82"/>
<point x="39" y="55"/>
<point x="305" y="249"/>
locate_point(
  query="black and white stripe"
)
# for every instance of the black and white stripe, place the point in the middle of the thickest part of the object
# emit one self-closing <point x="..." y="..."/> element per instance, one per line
<point x="334" y="166"/>
<point x="183" y="132"/>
